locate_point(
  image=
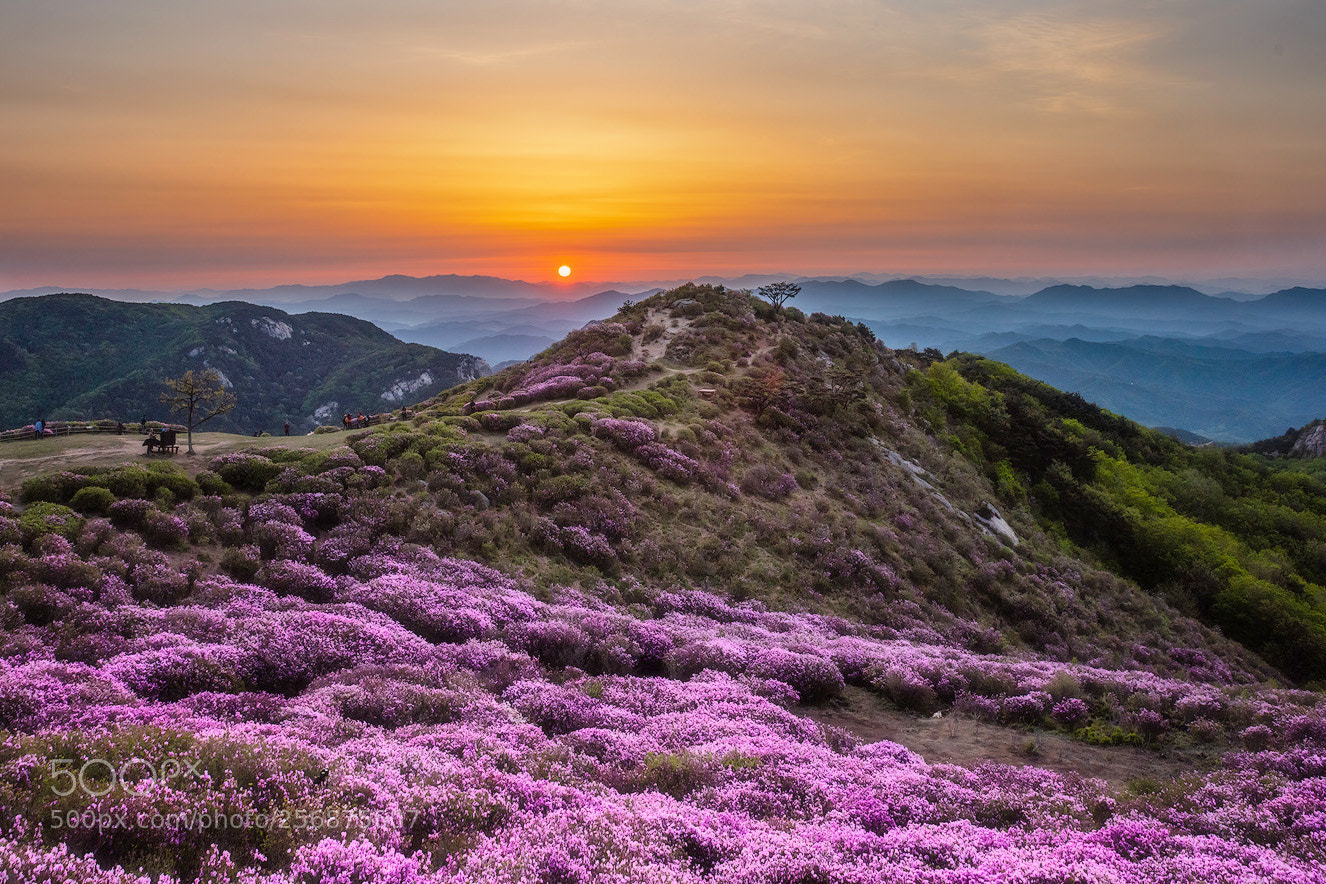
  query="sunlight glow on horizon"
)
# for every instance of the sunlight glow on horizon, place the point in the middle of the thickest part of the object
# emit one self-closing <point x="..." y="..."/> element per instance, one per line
<point x="246" y="143"/>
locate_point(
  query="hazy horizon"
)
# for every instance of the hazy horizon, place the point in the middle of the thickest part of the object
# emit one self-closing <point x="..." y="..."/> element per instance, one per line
<point x="571" y="289"/>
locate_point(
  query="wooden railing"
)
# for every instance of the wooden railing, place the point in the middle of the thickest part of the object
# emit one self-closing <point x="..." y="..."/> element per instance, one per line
<point x="72" y="428"/>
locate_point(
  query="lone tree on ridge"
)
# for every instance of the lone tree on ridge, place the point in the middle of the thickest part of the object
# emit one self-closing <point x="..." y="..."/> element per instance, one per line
<point x="200" y="396"/>
<point x="778" y="293"/>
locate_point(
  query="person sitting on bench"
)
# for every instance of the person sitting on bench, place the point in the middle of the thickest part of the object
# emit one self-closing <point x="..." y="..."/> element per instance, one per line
<point x="152" y="441"/>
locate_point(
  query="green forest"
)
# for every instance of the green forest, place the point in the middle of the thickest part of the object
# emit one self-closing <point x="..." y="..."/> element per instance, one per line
<point x="1233" y="538"/>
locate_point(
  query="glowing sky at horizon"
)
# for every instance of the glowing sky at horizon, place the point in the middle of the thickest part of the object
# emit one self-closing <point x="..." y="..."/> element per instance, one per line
<point x="158" y="144"/>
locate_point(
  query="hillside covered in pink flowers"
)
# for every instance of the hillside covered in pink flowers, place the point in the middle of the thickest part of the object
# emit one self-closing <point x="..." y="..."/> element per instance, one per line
<point x="593" y="619"/>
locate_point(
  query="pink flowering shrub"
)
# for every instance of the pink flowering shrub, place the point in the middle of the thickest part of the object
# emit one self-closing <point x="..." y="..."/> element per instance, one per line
<point x="166" y="529"/>
<point x="1071" y="713"/>
<point x="554" y="643"/>
<point x="670" y="464"/>
<point x="178" y="671"/>
<point x="767" y="482"/>
<point x="355" y="862"/>
<point x="611" y="515"/>
<point x="565" y="380"/>
<point x="576" y="542"/>
<point x="282" y="540"/>
<point x="1028" y="708"/>
<point x="296" y="578"/>
<point x="628" y="435"/>
<point x="428" y="718"/>
<point x="130" y="513"/>
<point x="464" y="601"/>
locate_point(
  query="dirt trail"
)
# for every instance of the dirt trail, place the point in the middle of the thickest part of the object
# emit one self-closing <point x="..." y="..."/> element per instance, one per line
<point x="654" y="350"/>
<point x="956" y="740"/>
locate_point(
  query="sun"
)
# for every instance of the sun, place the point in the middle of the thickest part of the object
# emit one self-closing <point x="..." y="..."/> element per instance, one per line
<point x="563" y="271"/>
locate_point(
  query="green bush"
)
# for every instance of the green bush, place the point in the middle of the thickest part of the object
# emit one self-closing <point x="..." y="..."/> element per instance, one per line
<point x="130" y="481"/>
<point x="674" y="773"/>
<point x="210" y="483"/>
<point x="242" y="563"/>
<point x="249" y="472"/>
<point x="92" y="499"/>
<point x="1099" y="733"/>
<point x="173" y="478"/>
<point x="410" y="465"/>
<point x="44" y="518"/>
<point x="560" y="488"/>
<point x="499" y="422"/>
<point x="54" y="488"/>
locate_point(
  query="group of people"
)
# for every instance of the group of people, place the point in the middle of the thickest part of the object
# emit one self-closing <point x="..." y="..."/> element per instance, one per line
<point x="163" y="440"/>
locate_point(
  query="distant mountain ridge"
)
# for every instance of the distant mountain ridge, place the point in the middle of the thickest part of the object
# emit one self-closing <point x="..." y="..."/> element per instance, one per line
<point x="1155" y="326"/>
<point x="75" y="356"/>
<point x="1224" y="394"/>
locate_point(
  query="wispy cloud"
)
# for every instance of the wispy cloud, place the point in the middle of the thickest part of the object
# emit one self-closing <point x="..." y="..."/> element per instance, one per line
<point x="1067" y="65"/>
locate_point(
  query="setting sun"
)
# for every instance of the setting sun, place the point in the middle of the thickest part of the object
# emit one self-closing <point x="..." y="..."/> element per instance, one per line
<point x="563" y="271"/>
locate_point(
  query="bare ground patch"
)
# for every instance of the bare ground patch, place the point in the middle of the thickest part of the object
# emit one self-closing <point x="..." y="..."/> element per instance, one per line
<point x="969" y="743"/>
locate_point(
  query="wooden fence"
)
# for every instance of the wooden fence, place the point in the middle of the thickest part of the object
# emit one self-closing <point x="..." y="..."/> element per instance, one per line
<point x="71" y="428"/>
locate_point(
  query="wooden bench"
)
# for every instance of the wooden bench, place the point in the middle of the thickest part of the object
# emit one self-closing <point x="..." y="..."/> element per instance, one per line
<point x="167" y="445"/>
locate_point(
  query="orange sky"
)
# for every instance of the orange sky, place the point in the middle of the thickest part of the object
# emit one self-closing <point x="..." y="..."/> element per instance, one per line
<point x="155" y="145"/>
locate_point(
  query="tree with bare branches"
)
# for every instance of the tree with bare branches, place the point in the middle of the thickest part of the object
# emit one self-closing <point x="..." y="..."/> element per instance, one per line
<point x="200" y="396"/>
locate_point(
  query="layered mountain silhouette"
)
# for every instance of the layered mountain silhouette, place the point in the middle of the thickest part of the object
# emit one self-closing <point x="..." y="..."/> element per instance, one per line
<point x="1169" y="384"/>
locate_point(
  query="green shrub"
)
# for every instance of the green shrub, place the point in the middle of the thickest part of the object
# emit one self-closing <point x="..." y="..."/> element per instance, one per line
<point x="675" y="773"/>
<point x="560" y="488"/>
<point x="410" y="465"/>
<point x="1099" y="733"/>
<point x="92" y="499"/>
<point x="447" y="428"/>
<point x="210" y="483"/>
<point x="54" y="488"/>
<point x="173" y="478"/>
<point x="44" y="518"/>
<point x="130" y="481"/>
<point x="242" y="563"/>
<point x="379" y="447"/>
<point x="247" y="472"/>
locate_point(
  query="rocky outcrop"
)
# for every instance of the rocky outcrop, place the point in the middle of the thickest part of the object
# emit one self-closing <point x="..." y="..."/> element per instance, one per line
<point x="1311" y="441"/>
